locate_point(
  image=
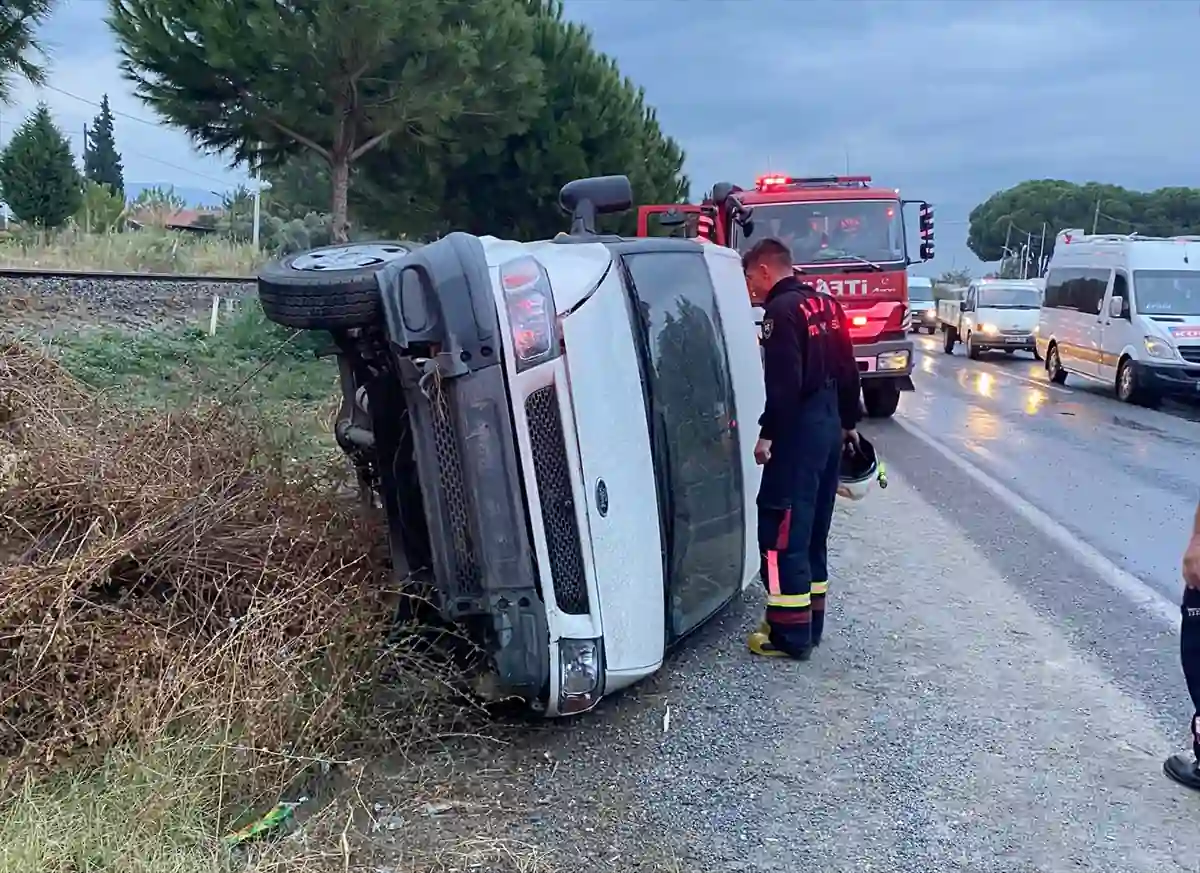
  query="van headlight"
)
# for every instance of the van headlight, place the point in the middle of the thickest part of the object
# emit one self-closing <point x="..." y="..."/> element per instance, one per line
<point x="580" y="675"/>
<point x="989" y="329"/>
<point x="1157" y="348"/>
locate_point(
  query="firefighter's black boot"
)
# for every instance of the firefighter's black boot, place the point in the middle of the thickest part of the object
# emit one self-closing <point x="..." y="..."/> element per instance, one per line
<point x="1183" y="768"/>
<point x="819" y="590"/>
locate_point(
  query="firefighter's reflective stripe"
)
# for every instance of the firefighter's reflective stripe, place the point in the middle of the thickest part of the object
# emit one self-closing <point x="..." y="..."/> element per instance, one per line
<point x="820" y="588"/>
<point x="789" y="601"/>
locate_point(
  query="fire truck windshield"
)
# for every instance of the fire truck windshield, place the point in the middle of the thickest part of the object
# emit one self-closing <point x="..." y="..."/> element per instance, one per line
<point x="826" y="231"/>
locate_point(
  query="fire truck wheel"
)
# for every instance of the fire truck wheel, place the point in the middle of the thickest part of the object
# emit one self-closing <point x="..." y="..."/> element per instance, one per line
<point x="328" y="288"/>
<point x="881" y="399"/>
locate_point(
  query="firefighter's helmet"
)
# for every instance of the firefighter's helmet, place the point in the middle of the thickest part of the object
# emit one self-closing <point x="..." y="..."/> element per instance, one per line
<point x="860" y="467"/>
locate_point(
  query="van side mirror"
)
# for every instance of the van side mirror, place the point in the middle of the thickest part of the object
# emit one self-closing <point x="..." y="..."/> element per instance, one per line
<point x="1116" y="305"/>
<point x="962" y="306"/>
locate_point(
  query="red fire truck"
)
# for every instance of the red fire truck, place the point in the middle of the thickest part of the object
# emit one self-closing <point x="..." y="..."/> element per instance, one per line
<point x="847" y="238"/>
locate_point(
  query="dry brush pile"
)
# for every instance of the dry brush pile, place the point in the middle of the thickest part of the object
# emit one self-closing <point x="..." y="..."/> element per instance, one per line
<point x="159" y="580"/>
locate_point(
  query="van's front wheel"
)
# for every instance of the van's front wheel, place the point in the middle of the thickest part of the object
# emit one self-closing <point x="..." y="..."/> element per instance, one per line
<point x="1128" y="390"/>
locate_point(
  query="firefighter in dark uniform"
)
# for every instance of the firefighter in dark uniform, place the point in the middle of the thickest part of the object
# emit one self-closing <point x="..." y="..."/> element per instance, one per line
<point x="811" y="412"/>
<point x="1185" y="768"/>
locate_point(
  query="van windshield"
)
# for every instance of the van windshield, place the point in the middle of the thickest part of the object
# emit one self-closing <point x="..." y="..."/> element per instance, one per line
<point x="1167" y="292"/>
<point x="1009" y="297"/>
<point x="824" y="231"/>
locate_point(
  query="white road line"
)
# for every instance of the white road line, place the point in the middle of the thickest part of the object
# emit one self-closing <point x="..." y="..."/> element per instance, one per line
<point x="1131" y="588"/>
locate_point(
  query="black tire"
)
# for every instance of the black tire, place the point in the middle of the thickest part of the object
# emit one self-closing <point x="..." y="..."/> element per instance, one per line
<point x="1054" y="368"/>
<point x="1129" y="391"/>
<point x="973" y="350"/>
<point x="1009" y="351"/>
<point x="296" y="291"/>
<point x="881" y="400"/>
<point x="948" y="340"/>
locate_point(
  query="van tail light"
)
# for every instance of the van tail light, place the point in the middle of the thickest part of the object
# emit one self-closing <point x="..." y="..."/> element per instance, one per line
<point x="529" y="304"/>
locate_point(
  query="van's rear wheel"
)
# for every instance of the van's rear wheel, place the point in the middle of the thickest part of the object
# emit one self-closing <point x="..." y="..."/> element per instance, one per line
<point x="1054" y="368"/>
<point x="328" y="288"/>
<point x="881" y="399"/>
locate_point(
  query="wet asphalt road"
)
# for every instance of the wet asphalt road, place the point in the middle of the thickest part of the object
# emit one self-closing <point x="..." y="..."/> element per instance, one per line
<point x="988" y="697"/>
<point x="1124" y="479"/>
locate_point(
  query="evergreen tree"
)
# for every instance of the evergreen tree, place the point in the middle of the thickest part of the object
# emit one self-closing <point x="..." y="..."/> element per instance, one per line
<point x="593" y="121"/>
<point x="20" y="52"/>
<point x="101" y="160"/>
<point x="261" y="80"/>
<point x="38" y="178"/>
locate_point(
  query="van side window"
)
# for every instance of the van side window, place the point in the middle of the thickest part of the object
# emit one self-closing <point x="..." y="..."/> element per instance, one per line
<point x="1121" y="289"/>
<point x="1092" y="288"/>
<point x="1058" y="288"/>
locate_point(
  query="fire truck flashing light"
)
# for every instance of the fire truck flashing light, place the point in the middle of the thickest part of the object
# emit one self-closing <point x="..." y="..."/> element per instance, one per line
<point x="774" y="180"/>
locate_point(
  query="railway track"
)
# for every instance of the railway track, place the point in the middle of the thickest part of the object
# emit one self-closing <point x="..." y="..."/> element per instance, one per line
<point x="50" y="301"/>
<point x="108" y="276"/>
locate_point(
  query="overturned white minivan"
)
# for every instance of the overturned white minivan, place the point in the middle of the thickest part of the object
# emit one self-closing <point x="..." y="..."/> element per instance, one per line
<point x="560" y="433"/>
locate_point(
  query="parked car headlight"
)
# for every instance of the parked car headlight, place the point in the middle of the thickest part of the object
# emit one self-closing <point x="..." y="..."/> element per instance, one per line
<point x="580" y="674"/>
<point x="1157" y="348"/>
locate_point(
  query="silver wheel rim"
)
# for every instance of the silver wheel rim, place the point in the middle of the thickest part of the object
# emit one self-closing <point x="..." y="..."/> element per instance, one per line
<point x="356" y="256"/>
<point x="1053" y="358"/>
<point x="1126" y="381"/>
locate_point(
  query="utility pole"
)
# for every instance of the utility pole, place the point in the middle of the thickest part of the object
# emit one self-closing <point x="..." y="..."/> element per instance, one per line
<point x="1096" y="217"/>
<point x="257" y="198"/>
<point x="3" y="215"/>
<point x="1042" y="250"/>
<point x="1025" y="253"/>
<point x="847" y="150"/>
<point x="1007" y="238"/>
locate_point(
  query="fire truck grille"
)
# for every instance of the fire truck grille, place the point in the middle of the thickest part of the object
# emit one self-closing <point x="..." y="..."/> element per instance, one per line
<point x="557" y="500"/>
<point x="450" y="473"/>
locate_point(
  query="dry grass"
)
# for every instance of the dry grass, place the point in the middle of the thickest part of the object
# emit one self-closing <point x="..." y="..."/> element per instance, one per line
<point x="187" y="635"/>
<point x="150" y="251"/>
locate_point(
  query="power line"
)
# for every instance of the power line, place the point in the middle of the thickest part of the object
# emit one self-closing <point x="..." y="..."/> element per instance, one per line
<point x="157" y="125"/>
<point x="74" y="135"/>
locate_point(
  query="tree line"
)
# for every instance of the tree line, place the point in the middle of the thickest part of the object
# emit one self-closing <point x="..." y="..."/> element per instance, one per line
<point x="406" y="118"/>
<point x="1008" y="227"/>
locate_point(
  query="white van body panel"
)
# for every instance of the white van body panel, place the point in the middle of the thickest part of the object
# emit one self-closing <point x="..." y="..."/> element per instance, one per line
<point x="574" y="270"/>
<point x="1094" y="344"/>
<point x="614" y="445"/>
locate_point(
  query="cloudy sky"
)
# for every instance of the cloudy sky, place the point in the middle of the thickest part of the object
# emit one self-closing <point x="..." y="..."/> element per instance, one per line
<point x="949" y="101"/>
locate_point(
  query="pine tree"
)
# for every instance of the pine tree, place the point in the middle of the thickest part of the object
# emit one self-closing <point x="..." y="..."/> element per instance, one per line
<point x="101" y="160"/>
<point x="38" y="178"/>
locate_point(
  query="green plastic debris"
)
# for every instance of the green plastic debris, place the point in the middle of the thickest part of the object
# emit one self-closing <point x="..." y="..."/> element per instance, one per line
<point x="268" y="825"/>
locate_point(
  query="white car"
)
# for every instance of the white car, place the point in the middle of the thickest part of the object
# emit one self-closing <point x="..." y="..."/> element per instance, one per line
<point x="1124" y="310"/>
<point x="562" y="431"/>
<point x="921" y="305"/>
<point x="993" y="314"/>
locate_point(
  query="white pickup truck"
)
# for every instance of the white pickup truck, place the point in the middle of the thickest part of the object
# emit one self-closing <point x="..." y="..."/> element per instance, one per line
<point x="992" y="314"/>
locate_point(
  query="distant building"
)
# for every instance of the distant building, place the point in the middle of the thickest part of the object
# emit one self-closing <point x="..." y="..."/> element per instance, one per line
<point x="198" y="221"/>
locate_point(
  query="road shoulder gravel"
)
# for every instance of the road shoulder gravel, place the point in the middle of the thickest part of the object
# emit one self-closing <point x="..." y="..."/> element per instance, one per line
<point x="945" y="725"/>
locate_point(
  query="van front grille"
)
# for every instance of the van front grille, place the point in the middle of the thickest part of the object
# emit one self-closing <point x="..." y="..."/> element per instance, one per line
<point x="1191" y="354"/>
<point x="450" y="474"/>
<point x="557" y="500"/>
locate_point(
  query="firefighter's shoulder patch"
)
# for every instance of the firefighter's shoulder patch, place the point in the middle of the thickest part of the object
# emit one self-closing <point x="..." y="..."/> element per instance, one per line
<point x="768" y="325"/>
